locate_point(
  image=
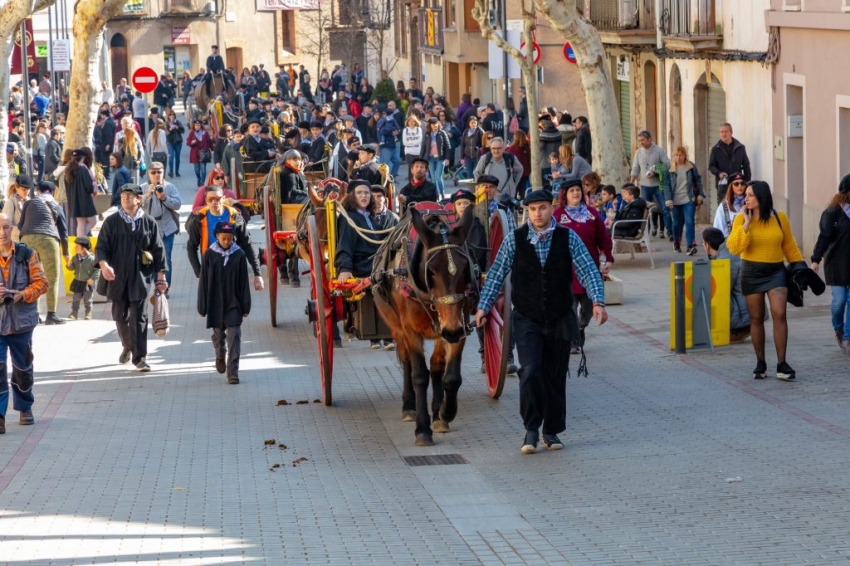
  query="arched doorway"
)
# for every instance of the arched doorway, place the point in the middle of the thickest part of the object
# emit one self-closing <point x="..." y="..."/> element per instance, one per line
<point x="709" y="113"/>
<point x="651" y="100"/>
<point x="675" y="99"/>
<point x="118" y="60"/>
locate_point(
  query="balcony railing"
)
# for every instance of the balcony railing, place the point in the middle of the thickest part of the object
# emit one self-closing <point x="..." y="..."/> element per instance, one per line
<point x="614" y="15"/>
<point x="688" y="18"/>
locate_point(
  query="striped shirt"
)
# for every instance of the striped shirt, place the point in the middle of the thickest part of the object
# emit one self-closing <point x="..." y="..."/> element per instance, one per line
<point x="585" y="269"/>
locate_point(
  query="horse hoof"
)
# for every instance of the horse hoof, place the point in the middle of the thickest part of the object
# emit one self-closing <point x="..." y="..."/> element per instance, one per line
<point x="424" y="440"/>
<point x="440" y="426"/>
<point x="408" y="416"/>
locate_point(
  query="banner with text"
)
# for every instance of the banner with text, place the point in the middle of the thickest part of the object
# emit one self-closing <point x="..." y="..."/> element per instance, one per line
<point x="271" y="5"/>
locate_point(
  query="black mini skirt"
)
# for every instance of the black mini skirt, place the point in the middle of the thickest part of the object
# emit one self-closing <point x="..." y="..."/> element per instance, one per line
<point x="759" y="277"/>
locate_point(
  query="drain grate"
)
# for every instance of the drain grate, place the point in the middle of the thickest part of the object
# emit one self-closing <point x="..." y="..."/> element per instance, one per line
<point x="438" y="460"/>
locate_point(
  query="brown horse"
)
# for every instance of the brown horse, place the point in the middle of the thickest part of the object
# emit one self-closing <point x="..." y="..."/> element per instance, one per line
<point x="218" y="87"/>
<point x="425" y="294"/>
<point x="328" y="188"/>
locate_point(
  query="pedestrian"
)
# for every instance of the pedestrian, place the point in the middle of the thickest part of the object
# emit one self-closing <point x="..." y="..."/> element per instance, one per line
<point x="521" y="149"/>
<point x="22" y="282"/>
<point x="543" y="320"/>
<point x="200" y="227"/>
<point x="128" y="144"/>
<point x="727" y="157"/>
<point x="833" y="250"/>
<point x="412" y="138"/>
<point x="504" y="166"/>
<point x="573" y="212"/>
<point x="138" y="106"/>
<point x="436" y="149"/>
<point x="86" y="273"/>
<point x="763" y="238"/>
<point x="79" y="184"/>
<point x="174" y="138"/>
<point x="131" y="256"/>
<point x="162" y="202"/>
<point x="16" y="195"/>
<point x="731" y="204"/>
<point x="471" y="145"/>
<point x="682" y="196"/>
<point x="714" y="243"/>
<point x="200" y="150"/>
<point x="43" y="228"/>
<point x="157" y="146"/>
<point x="583" y="141"/>
<point x="649" y="167"/>
<point x="224" y="298"/>
<point x="52" y="152"/>
<point x="122" y="177"/>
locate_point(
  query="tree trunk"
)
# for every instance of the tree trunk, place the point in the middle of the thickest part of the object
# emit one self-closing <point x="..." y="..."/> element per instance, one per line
<point x="529" y="74"/>
<point x="90" y="17"/>
<point x="12" y="13"/>
<point x="609" y="159"/>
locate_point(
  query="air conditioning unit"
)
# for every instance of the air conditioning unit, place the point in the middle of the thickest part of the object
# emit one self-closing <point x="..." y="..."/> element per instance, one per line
<point x="628" y="12"/>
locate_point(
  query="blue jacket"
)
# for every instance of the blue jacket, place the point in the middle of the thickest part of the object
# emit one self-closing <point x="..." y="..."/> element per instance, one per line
<point x="122" y="177"/>
<point x="386" y="127"/>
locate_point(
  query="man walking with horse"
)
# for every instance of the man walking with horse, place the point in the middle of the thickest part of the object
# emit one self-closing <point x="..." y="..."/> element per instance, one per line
<point x="540" y="256"/>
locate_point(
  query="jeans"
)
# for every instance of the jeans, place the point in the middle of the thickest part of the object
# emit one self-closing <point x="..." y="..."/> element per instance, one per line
<point x="841" y="309"/>
<point x="168" y="243"/>
<point x="436" y="166"/>
<point x="469" y="165"/>
<point x="683" y="214"/>
<point x="654" y="194"/>
<point x="544" y="357"/>
<point x="20" y="347"/>
<point x="174" y="157"/>
<point x="201" y="173"/>
<point x="390" y="157"/>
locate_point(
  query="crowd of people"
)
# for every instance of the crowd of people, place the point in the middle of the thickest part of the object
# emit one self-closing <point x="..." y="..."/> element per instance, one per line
<point x="354" y="131"/>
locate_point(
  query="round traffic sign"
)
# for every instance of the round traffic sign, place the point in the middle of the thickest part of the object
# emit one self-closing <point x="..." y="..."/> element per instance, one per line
<point x="536" y="50"/>
<point x="569" y="54"/>
<point x="145" y="79"/>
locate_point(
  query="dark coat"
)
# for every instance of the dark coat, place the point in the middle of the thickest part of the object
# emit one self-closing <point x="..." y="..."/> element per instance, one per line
<point x="444" y="147"/>
<point x="477" y="240"/>
<point x="120" y="178"/>
<point x="224" y="296"/>
<point x="630" y="211"/>
<point x="121" y="246"/>
<point x="370" y="172"/>
<point x="197" y="244"/>
<point x="81" y="196"/>
<point x="108" y="136"/>
<point x="729" y="160"/>
<point x="470" y="144"/>
<point x="802" y="278"/>
<point x="258" y="156"/>
<point x="834" y="244"/>
<point x="353" y="253"/>
<point x="584" y="143"/>
<point x="52" y="156"/>
<point x="426" y="192"/>
<point x="293" y="186"/>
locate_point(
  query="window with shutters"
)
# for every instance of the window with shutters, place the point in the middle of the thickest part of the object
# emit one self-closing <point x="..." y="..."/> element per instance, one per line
<point x="469" y="23"/>
<point x="287" y="30"/>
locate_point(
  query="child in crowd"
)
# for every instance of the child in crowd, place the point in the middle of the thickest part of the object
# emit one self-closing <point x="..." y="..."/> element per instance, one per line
<point x="224" y="298"/>
<point x="610" y="204"/>
<point x="86" y="273"/>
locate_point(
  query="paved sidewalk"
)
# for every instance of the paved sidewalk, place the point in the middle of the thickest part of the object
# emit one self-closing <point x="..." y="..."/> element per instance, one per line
<point x="171" y="467"/>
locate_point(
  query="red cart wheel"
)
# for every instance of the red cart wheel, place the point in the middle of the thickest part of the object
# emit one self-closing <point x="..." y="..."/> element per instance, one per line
<point x="272" y="258"/>
<point x="324" y="310"/>
<point x="497" y="331"/>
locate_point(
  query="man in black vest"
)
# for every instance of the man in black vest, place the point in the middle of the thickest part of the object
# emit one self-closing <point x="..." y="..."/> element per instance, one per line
<point x="215" y="66"/>
<point x="541" y="256"/>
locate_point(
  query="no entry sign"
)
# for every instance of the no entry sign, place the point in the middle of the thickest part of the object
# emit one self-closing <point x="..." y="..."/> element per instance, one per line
<point x="569" y="54"/>
<point x="145" y="79"/>
<point x="536" y="47"/>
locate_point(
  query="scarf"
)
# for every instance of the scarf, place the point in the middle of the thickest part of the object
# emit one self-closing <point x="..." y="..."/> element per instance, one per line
<point x="417" y="182"/>
<point x="738" y="202"/>
<point x="225" y="253"/>
<point x="543" y="234"/>
<point x="579" y="213"/>
<point x="199" y="135"/>
<point x="291" y="168"/>
<point x="131" y="220"/>
<point x="846" y="208"/>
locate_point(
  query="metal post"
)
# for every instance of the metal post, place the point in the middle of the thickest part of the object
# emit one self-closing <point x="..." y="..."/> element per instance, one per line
<point x="25" y="82"/>
<point x="50" y="65"/>
<point x="504" y="24"/>
<point x="679" y="298"/>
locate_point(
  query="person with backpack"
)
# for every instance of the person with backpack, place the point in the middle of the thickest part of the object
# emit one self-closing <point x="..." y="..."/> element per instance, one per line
<point x="503" y="166"/>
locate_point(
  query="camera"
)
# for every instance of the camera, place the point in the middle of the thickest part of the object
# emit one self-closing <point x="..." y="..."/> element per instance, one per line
<point x="160" y="188"/>
<point x="8" y="299"/>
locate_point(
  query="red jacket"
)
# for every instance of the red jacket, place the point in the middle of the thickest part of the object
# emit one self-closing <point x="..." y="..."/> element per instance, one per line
<point x="593" y="233"/>
<point x="195" y="145"/>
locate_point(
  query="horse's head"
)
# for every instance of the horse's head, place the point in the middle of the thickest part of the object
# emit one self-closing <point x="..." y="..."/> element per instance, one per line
<point x="446" y="270"/>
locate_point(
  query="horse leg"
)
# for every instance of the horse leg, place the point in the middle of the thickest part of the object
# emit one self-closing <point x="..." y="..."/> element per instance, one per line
<point x="438" y="367"/>
<point x="408" y="398"/>
<point x="451" y="382"/>
<point x="419" y="370"/>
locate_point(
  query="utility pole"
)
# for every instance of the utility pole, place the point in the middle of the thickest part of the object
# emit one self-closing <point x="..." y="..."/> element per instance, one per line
<point x="506" y="79"/>
<point x="25" y="80"/>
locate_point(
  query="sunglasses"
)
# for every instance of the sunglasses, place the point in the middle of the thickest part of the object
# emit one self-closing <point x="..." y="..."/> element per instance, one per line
<point x="217" y="178"/>
<point x="213" y="199"/>
<point x="738" y="183"/>
<point x="155" y="172"/>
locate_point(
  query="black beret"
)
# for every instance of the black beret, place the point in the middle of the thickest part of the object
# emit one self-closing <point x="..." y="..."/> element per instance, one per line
<point x="358" y="182"/>
<point x="462" y="194"/>
<point x="419" y="159"/>
<point x="224" y="228"/>
<point x="569" y="183"/>
<point x="304" y="125"/>
<point x="540" y="195"/>
<point x="316" y="125"/>
<point x="131" y="188"/>
<point x="378" y="189"/>
<point x="24" y="181"/>
<point x="46" y="187"/>
<point x="368" y="148"/>
<point x="489" y="179"/>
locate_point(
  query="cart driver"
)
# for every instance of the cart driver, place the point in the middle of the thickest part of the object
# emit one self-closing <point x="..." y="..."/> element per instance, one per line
<point x="353" y="253"/>
<point x="215" y="66"/>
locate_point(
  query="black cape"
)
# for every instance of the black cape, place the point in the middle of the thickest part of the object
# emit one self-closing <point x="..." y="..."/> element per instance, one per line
<point x="121" y="247"/>
<point x="224" y="296"/>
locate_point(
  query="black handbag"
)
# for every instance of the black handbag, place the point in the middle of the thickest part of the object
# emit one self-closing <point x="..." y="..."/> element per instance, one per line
<point x="205" y="156"/>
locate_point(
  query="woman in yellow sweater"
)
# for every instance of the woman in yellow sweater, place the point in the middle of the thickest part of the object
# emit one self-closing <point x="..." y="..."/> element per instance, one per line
<point x="763" y="239"/>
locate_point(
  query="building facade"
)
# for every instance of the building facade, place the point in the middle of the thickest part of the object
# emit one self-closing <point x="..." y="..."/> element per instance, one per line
<point x="811" y="109"/>
<point x="682" y="67"/>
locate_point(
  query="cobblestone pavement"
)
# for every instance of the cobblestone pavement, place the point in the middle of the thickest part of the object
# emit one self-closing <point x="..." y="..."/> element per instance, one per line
<point x="171" y="467"/>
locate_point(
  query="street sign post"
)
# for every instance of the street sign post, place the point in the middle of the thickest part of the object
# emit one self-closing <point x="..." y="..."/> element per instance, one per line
<point x="569" y="54"/>
<point x="145" y="80"/>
